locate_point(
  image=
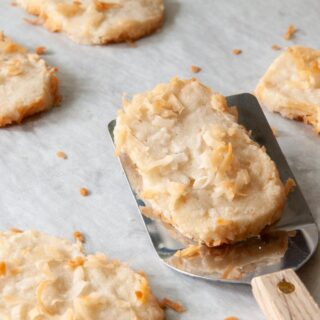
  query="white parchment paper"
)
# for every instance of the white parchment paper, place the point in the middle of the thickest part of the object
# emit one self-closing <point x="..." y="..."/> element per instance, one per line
<point x="40" y="191"/>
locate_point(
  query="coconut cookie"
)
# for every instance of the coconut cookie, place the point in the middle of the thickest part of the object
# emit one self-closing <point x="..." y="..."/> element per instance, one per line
<point x="44" y="277"/>
<point x="27" y="84"/>
<point x="98" y="21"/>
<point x="199" y="169"/>
<point x="291" y="86"/>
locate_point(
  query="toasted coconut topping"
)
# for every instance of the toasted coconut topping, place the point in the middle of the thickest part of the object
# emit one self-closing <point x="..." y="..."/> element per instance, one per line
<point x="167" y="303"/>
<point x="275" y="47"/>
<point x="290" y="32"/>
<point x="195" y="69"/>
<point x="40" y="50"/>
<point x="61" y="155"/>
<point x="3" y="269"/>
<point x="84" y="192"/>
<point x="289" y="186"/>
<point x="236" y="51"/>
<point x="77" y="235"/>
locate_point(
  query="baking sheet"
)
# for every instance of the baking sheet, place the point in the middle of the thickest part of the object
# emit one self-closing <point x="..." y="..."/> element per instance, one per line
<point x="40" y="191"/>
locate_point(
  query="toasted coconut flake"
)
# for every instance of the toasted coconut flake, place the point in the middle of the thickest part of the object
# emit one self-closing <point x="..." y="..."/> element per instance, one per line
<point x="15" y="230"/>
<point x="236" y="51"/>
<point x="143" y="293"/>
<point x="40" y="50"/>
<point x="61" y="155"/>
<point x="77" y="262"/>
<point x="3" y="269"/>
<point x="103" y="6"/>
<point x="167" y="303"/>
<point x="191" y="251"/>
<point x="84" y="192"/>
<point x="290" y="32"/>
<point x="77" y="235"/>
<point x="231" y="318"/>
<point x="289" y="186"/>
<point x="275" y="47"/>
<point x="33" y="22"/>
<point x="195" y="69"/>
<point x="274" y="131"/>
<point x="69" y="10"/>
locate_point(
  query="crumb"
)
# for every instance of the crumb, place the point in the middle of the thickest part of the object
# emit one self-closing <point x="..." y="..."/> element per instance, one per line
<point x="15" y="230"/>
<point x="166" y="303"/>
<point x="289" y="186"/>
<point x="290" y="32"/>
<point x="231" y="318"/>
<point x="40" y="50"/>
<point x="195" y="69"/>
<point x="274" y="131"/>
<point x="77" y="235"/>
<point x="34" y="22"/>
<point x="236" y="51"/>
<point x="131" y="44"/>
<point x="61" y="155"/>
<point x="84" y="192"/>
<point x="275" y="47"/>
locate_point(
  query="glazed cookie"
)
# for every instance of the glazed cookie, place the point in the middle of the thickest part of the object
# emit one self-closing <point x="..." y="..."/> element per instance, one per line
<point x="291" y="85"/>
<point x="198" y="169"/>
<point x="27" y="84"/>
<point x="44" y="277"/>
<point x="98" y="21"/>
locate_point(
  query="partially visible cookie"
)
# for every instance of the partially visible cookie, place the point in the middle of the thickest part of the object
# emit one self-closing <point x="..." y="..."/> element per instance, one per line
<point x="98" y="21"/>
<point x="291" y="85"/>
<point x="27" y="84"/>
<point x="196" y="167"/>
<point x="44" y="277"/>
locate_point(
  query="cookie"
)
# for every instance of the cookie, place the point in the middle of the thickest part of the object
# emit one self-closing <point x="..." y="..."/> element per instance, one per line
<point x="98" y="21"/>
<point x="27" y="84"/>
<point x="46" y="277"/>
<point x="199" y="169"/>
<point x="291" y="85"/>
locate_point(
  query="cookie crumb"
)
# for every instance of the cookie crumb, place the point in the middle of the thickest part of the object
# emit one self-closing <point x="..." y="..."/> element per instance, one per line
<point x="40" y="50"/>
<point x="275" y="47"/>
<point x="290" y="32"/>
<point x="195" y="69"/>
<point x="61" y="155"/>
<point x="274" y="131"/>
<point x="84" y="192"/>
<point x="231" y="318"/>
<point x="167" y="303"/>
<point x="289" y="186"/>
<point x="77" y="235"/>
<point x="236" y="52"/>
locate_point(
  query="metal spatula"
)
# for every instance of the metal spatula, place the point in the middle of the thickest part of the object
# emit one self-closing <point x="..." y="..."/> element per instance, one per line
<point x="268" y="261"/>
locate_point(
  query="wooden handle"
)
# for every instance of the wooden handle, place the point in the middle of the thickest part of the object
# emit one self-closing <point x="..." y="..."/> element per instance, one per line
<point x="283" y="296"/>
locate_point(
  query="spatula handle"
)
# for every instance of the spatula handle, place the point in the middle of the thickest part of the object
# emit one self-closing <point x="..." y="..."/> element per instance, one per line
<point x="283" y="296"/>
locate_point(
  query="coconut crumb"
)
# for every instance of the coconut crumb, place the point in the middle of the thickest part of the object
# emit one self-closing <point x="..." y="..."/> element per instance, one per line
<point x="103" y="6"/>
<point x="231" y="318"/>
<point x="236" y="52"/>
<point x="61" y="155"/>
<point x="40" y="50"/>
<point x="77" y="235"/>
<point x="167" y="303"/>
<point x="195" y="69"/>
<point x="289" y="186"/>
<point x="84" y="192"/>
<point x="275" y="47"/>
<point x="3" y="269"/>
<point x="290" y="32"/>
<point x="274" y="131"/>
